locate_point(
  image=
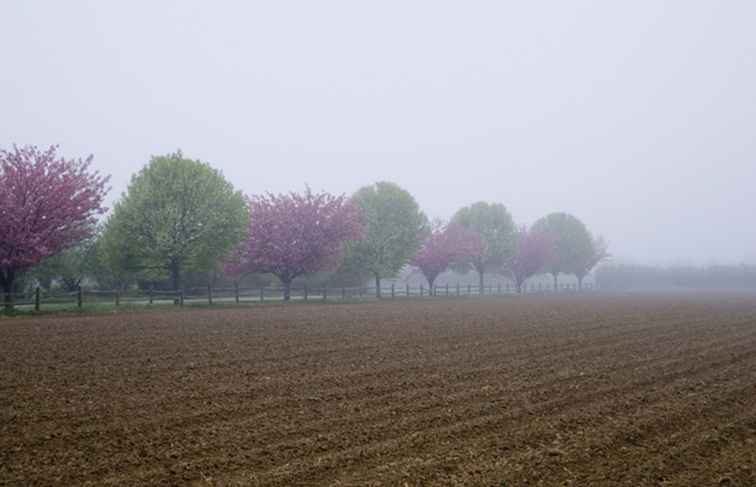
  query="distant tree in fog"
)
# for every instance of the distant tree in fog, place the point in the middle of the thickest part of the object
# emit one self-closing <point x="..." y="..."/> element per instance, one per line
<point x="627" y="276"/>
<point x="69" y="267"/>
<point x="573" y="245"/>
<point x="587" y="261"/>
<point x="493" y="223"/>
<point x="47" y="204"/>
<point x="444" y="246"/>
<point x="295" y="234"/>
<point x="394" y="229"/>
<point x="533" y="250"/>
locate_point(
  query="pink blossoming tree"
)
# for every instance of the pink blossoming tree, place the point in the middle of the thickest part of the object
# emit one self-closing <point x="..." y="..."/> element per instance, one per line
<point x="295" y="234"/>
<point x="47" y="204"/>
<point x="533" y="249"/>
<point x="444" y="246"/>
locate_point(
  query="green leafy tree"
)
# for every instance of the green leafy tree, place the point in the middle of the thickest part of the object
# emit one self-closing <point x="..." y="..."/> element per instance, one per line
<point x="573" y="245"/>
<point x="494" y="224"/>
<point x="177" y="215"/>
<point x="394" y="228"/>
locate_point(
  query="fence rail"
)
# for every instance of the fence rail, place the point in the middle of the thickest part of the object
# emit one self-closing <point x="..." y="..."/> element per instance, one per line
<point x="40" y="299"/>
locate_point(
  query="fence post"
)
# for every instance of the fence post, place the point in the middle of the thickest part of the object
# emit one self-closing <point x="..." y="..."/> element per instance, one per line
<point x="360" y="291"/>
<point x="325" y="293"/>
<point x="262" y="294"/>
<point x="469" y="289"/>
<point x="393" y="293"/>
<point x="236" y="292"/>
<point x="79" y="298"/>
<point x="117" y="297"/>
<point x="343" y="293"/>
<point x="209" y="294"/>
<point x="421" y="290"/>
<point x="498" y="288"/>
<point x="181" y="297"/>
<point x="36" y="299"/>
<point x="457" y="288"/>
<point x="149" y="291"/>
<point x="408" y="290"/>
<point x="305" y="293"/>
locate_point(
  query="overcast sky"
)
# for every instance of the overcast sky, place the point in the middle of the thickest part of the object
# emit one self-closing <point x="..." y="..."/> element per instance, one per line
<point x="638" y="117"/>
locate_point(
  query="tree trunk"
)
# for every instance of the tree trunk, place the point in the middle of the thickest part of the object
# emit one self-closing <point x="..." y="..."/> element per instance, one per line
<point x="378" y="286"/>
<point x="8" y="300"/>
<point x="6" y="282"/>
<point x="431" y="289"/>
<point x="480" y="281"/>
<point x="286" y="289"/>
<point x="556" y="281"/>
<point x="176" y="275"/>
<point x="580" y="282"/>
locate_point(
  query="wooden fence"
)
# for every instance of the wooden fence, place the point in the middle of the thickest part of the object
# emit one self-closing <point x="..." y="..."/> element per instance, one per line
<point x="40" y="299"/>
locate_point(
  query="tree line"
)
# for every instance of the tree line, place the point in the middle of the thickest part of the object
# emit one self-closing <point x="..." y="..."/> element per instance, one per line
<point x="633" y="277"/>
<point x="181" y="221"/>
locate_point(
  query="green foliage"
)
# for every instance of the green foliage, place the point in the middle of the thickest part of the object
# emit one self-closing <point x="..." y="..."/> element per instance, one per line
<point x="494" y="224"/>
<point x="69" y="268"/>
<point x="394" y="229"/>
<point x="573" y="245"/>
<point x="115" y="265"/>
<point x="177" y="215"/>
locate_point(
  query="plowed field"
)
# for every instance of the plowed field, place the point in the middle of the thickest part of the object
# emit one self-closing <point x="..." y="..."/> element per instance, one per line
<point x="538" y="390"/>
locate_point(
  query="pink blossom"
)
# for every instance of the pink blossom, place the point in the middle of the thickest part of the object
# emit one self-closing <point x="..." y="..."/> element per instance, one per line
<point x="445" y="246"/>
<point x="532" y="251"/>
<point x="47" y="203"/>
<point x="295" y="234"/>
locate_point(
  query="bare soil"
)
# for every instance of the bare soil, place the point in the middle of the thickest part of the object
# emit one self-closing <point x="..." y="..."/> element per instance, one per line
<point x="573" y="390"/>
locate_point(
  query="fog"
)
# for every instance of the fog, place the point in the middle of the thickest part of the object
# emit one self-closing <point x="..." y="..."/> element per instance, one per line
<point x="637" y="117"/>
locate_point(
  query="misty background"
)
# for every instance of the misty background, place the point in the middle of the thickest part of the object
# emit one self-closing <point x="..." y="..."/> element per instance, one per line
<point x="637" y="117"/>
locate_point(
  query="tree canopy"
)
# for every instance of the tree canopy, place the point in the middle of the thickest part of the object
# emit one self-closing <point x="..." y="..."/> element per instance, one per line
<point x="394" y="228"/>
<point x="587" y="261"/>
<point x="47" y="204"/>
<point x="177" y="214"/>
<point x="444" y="246"/>
<point x="295" y="234"/>
<point x="494" y="224"/>
<point x="533" y="249"/>
<point x="573" y="245"/>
